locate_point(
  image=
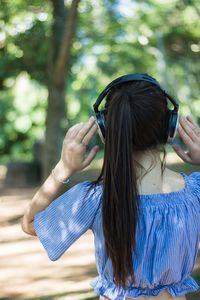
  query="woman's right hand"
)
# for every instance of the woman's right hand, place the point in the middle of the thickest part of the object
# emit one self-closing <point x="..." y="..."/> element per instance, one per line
<point x="189" y="132"/>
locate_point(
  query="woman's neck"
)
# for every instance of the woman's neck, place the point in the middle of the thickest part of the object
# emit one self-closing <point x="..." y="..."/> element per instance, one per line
<point x="150" y="162"/>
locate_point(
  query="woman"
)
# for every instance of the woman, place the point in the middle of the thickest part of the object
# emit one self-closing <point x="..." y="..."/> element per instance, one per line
<point x="144" y="216"/>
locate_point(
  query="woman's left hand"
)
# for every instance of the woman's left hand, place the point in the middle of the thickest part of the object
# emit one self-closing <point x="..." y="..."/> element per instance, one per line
<point x="74" y="146"/>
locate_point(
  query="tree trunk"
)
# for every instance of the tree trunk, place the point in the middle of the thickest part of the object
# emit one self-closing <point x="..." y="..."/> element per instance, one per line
<point x="54" y="129"/>
<point x="63" y="29"/>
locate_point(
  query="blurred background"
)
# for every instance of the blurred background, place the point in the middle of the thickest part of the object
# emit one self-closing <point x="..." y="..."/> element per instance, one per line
<point x="56" y="56"/>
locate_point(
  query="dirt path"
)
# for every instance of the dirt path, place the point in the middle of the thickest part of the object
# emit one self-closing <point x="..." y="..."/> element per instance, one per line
<point x="25" y="270"/>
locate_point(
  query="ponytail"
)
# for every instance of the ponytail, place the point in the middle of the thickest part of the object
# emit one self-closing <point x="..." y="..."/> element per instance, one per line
<point x="120" y="207"/>
<point x="134" y="115"/>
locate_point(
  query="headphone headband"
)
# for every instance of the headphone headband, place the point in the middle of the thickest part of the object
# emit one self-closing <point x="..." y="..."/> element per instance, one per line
<point x="128" y="78"/>
<point x="172" y="118"/>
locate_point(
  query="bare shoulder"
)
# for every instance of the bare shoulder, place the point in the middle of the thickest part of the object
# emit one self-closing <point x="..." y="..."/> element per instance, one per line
<point x="174" y="179"/>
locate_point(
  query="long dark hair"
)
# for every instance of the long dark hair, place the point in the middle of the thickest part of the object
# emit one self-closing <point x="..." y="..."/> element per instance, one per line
<point x="136" y="115"/>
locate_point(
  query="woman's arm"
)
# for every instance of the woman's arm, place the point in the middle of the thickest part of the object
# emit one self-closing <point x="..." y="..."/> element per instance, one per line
<point x="48" y="192"/>
<point x="72" y="160"/>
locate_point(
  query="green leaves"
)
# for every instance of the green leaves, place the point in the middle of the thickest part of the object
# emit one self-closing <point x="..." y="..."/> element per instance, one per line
<point x="112" y="38"/>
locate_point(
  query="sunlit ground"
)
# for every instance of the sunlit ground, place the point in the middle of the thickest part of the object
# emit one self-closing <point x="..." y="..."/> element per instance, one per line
<point x="25" y="270"/>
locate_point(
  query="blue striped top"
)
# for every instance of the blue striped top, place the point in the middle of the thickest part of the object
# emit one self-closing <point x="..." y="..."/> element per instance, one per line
<point x="167" y="244"/>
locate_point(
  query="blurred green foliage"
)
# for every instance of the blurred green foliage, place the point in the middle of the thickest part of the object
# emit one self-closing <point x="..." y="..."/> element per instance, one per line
<point x="113" y="38"/>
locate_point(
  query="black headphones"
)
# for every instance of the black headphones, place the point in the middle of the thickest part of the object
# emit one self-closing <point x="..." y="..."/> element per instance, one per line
<point x="172" y="115"/>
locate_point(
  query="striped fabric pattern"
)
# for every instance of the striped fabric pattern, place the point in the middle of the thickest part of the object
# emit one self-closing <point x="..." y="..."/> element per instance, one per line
<point x="167" y="245"/>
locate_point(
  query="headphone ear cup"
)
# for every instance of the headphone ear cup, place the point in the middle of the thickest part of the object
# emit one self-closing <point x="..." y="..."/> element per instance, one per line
<point x="173" y="124"/>
<point x="167" y="124"/>
<point x="103" y="113"/>
<point x="101" y="125"/>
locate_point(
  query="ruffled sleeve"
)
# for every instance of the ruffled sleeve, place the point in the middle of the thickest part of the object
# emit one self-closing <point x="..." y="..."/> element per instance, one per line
<point x="69" y="216"/>
<point x="195" y="178"/>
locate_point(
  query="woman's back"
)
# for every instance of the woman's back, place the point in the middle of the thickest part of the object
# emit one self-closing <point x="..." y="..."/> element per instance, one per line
<point x="153" y="183"/>
<point x="166" y="244"/>
<point x="172" y="182"/>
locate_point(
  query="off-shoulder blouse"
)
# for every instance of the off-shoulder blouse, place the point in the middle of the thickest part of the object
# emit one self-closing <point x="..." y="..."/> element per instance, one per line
<point x="167" y="244"/>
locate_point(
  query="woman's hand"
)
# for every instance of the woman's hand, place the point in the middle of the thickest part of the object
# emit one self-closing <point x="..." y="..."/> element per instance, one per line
<point x="189" y="132"/>
<point x="74" y="146"/>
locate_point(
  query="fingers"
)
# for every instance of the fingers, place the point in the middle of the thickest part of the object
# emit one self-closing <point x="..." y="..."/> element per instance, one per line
<point x="90" y="156"/>
<point x="90" y="134"/>
<point x="192" y="129"/>
<point x="75" y="129"/>
<point x="184" y="155"/>
<point x="185" y="137"/>
<point x="192" y="123"/>
<point x="194" y="126"/>
<point x="84" y="130"/>
<point x="187" y="130"/>
<point x="190" y="134"/>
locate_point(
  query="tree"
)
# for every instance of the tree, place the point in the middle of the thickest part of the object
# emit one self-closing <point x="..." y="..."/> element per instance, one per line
<point x="161" y="39"/>
<point x="63" y="29"/>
